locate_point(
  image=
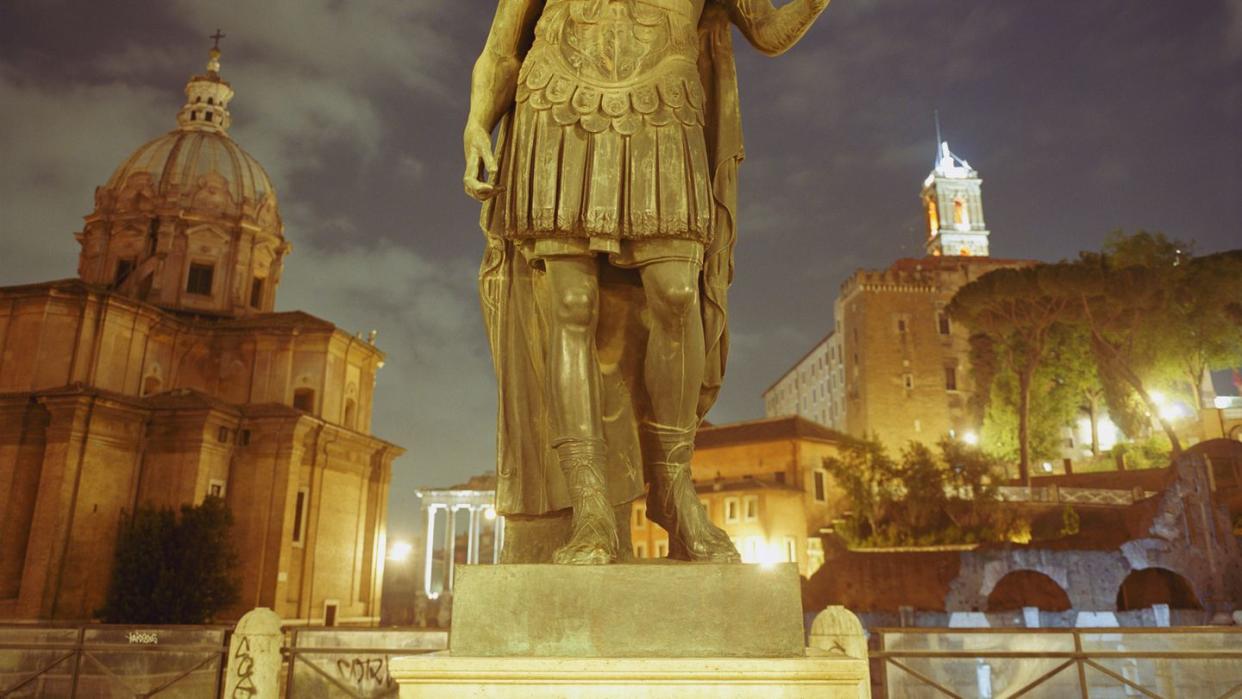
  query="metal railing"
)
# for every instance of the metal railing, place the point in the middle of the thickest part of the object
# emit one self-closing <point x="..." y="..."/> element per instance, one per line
<point x="104" y="660"/>
<point x="1075" y="496"/>
<point x="1096" y="663"/>
<point x="343" y="662"/>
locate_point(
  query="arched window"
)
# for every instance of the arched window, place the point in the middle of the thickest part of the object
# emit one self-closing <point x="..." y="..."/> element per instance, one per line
<point x="933" y="218"/>
<point x="1027" y="588"/>
<point x="1150" y="586"/>
<point x="304" y="399"/>
<point x="351" y="409"/>
<point x="961" y="215"/>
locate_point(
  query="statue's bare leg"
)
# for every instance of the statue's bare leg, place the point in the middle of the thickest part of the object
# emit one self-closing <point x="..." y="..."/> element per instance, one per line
<point x="673" y="370"/>
<point x="574" y="393"/>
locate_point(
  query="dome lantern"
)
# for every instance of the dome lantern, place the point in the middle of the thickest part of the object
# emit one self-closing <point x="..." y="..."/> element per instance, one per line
<point x="207" y="96"/>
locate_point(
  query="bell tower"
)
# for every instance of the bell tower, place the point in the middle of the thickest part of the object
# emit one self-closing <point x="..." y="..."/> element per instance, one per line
<point x="954" y="208"/>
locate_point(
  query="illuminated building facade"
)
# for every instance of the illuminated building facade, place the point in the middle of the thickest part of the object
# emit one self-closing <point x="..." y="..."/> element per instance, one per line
<point x="162" y="376"/>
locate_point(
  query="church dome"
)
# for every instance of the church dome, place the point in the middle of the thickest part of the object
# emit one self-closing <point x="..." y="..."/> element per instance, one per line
<point x="197" y="167"/>
<point x="189" y="221"/>
<point x="203" y="166"/>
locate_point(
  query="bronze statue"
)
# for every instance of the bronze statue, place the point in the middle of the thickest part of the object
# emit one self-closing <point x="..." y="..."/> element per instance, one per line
<point x="610" y="204"/>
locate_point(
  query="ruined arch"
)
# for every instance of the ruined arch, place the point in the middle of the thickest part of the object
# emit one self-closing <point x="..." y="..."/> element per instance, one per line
<point x="1151" y="586"/>
<point x="1027" y="588"/>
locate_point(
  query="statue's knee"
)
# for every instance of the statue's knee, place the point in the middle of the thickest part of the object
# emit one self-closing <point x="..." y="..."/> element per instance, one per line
<point x="576" y="306"/>
<point x="676" y="300"/>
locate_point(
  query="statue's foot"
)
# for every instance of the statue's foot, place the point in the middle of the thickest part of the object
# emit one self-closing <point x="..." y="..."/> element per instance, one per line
<point x="593" y="540"/>
<point x="583" y="554"/>
<point x="692" y="536"/>
<point x="701" y="541"/>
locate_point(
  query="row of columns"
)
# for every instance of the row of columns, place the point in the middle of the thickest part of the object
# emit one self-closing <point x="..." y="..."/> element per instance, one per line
<point x="473" y="536"/>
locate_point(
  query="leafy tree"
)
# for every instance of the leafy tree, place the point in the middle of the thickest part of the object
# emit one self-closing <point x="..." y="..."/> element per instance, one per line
<point x="1197" y="332"/>
<point x="1000" y="429"/>
<point x="1077" y="377"/>
<point x="1155" y="313"/>
<point x="173" y="570"/>
<point x="928" y="496"/>
<point x="867" y="474"/>
<point x="1017" y="309"/>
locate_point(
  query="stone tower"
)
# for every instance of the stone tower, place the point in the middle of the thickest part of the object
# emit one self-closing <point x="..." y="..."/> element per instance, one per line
<point x="954" y="206"/>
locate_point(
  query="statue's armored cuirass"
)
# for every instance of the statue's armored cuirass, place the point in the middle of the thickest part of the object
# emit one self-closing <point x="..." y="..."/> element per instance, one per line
<point x="615" y="61"/>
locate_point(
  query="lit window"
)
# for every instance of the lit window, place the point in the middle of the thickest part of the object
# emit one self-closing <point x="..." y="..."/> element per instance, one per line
<point x="215" y="488"/>
<point x="640" y="549"/>
<point x="961" y="213"/>
<point x="731" y="511"/>
<point x="750" y="508"/>
<point x="661" y="549"/>
<point x="200" y="279"/>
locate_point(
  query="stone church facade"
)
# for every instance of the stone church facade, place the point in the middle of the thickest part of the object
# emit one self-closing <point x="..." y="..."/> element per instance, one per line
<point x="162" y="375"/>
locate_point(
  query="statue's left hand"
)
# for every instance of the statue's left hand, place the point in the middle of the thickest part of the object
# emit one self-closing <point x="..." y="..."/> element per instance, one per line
<point x="479" y="156"/>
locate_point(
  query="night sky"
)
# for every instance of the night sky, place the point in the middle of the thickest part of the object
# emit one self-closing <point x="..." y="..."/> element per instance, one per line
<point x="1081" y="116"/>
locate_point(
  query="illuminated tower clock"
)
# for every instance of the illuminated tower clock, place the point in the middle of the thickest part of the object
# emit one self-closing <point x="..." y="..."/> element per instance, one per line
<point x="954" y="205"/>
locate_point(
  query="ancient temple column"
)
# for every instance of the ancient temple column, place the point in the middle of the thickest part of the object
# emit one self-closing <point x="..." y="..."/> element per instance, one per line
<point x="475" y="531"/>
<point x="450" y="549"/>
<point x="431" y="545"/>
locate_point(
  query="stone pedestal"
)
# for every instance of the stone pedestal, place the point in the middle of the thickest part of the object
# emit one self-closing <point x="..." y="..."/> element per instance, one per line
<point x="653" y="629"/>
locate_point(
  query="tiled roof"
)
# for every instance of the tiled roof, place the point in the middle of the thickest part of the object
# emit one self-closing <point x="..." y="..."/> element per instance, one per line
<point x="765" y="430"/>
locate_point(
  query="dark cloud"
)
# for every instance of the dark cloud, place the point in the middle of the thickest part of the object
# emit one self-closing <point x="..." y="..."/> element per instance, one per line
<point x="1081" y="117"/>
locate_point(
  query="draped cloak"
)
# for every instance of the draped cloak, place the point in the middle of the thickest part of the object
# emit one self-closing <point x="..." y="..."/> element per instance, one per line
<point x="529" y="478"/>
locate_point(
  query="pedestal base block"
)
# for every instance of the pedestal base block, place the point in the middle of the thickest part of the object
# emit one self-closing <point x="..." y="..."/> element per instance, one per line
<point x="441" y="675"/>
<point x="655" y="610"/>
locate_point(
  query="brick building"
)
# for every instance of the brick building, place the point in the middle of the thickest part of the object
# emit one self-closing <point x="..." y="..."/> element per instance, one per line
<point x="162" y="375"/>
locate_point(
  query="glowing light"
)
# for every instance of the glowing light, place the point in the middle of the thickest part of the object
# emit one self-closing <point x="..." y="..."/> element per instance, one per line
<point x="1168" y="409"/>
<point x="400" y="551"/>
<point x="1223" y="402"/>
<point x="971" y="438"/>
<point x="1108" y="433"/>
<point x="489" y="514"/>
<point x="1047" y="467"/>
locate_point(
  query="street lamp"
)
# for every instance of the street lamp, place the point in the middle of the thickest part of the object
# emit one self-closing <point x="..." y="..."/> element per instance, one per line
<point x="400" y="551"/>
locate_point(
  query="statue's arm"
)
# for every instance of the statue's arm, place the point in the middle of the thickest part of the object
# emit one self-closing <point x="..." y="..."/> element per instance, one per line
<point x="492" y="87"/>
<point x="771" y="30"/>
